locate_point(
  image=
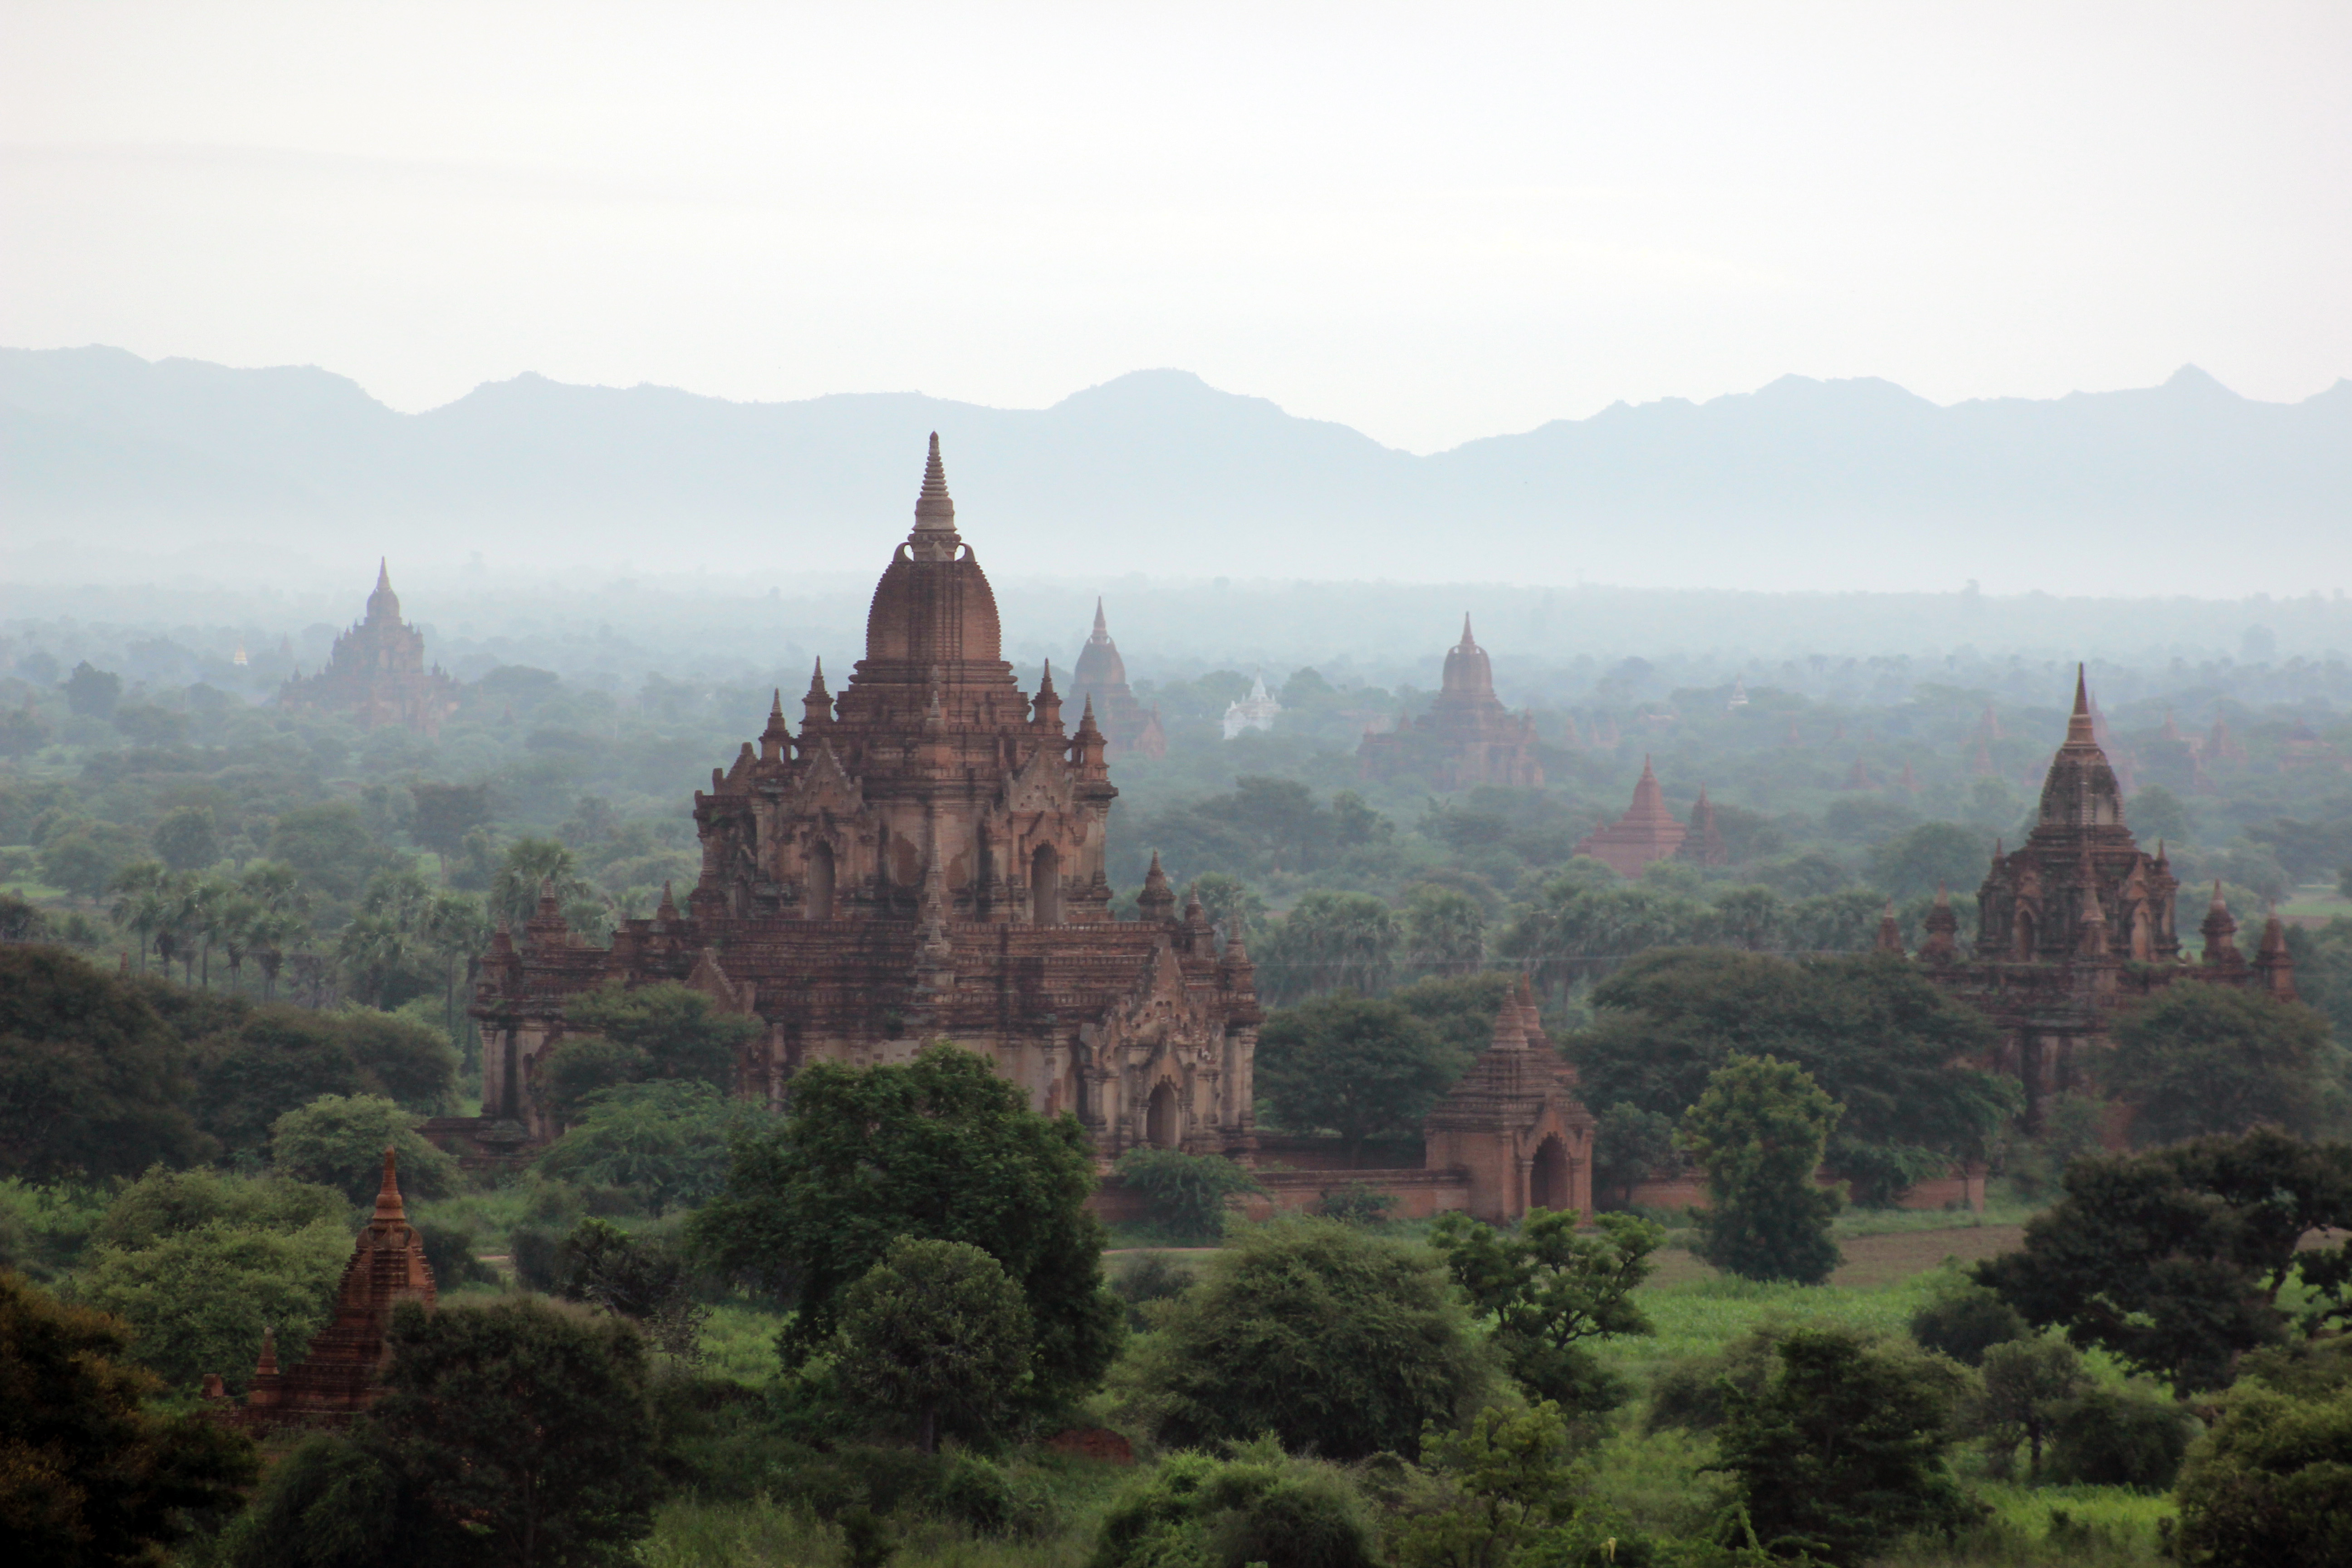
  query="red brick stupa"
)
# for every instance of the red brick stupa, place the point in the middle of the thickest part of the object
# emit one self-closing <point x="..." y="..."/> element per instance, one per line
<point x="343" y="1373"/>
<point x="1128" y="728"/>
<point x="1647" y="831"/>
<point x="1468" y="737"/>
<point x="376" y="673"/>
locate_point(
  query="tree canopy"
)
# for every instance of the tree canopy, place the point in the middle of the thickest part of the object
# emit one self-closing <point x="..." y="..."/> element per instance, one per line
<point x="1549" y="1288"/>
<point x="92" y="1082"/>
<point x="1759" y="1130"/>
<point x="939" y="1148"/>
<point x="1361" y="1068"/>
<point x="936" y="1334"/>
<point x="1876" y="1033"/>
<point x="2199" y="1059"/>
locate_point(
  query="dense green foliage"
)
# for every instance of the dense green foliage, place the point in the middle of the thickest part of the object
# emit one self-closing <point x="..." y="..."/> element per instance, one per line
<point x="1963" y="1321"/>
<point x="624" y="1035"/>
<point x="1842" y="1450"/>
<point x="1358" y="1068"/>
<point x="1759" y="1132"/>
<point x="665" y="1141"/>
<point x="1875" y="1033"/>
<point x="339" y="1141"/>
<point x="1261" y="1505"/>
<point x="92" y="1083"/>
<point x="1333" y="1340"/>
<point x="2172" y="1260"/>
<point x="89" y="1478"/>
<point x="936" y="1335"/>
<point x="939" y="1148"/>
<point x="2271" y="1487"/>
<point x="1189" y="1194"/>
<point x="2197" y="1060"/>
<point x="1548" y="1289"/>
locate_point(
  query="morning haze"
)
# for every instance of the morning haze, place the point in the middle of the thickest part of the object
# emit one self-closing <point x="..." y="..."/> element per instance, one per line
<point x="1494" y="787"/>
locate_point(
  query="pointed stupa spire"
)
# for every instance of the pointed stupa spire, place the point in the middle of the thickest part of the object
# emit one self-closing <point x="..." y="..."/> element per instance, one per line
<point x="668" y="908"/>
<point x="1156" y="901"/>
<point x="935" y="531"/>
<point x="389" y="1211"/>
<point x="1467" y="641"/>
<point x="1102" y="627"/>
<point x="384" y="572"/>
<point x="266" y="1366"/>
<point x="2080" y="728"/>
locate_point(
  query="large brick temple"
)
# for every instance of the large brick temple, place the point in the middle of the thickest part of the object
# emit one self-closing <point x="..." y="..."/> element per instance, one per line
<point x="376" y="673"/>
<point x="2077" y="925"/>
<point x="1466" y="738"/>
<point x="922" y="859"/>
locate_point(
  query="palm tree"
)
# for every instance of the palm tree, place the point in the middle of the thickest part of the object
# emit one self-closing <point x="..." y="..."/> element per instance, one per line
<point x="527" y="865"/>
<point x="139" y="906"/>
<point x="240" y="914"/>
<point x="456" y="928"/>
<point x="200" y="902"/>
<point x="272" y="933"/>
<point x="372" y="951"/>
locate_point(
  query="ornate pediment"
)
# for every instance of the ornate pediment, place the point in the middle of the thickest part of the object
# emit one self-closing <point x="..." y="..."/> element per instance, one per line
<point x="1041" y="785"/>
<point x="826" y="785"/>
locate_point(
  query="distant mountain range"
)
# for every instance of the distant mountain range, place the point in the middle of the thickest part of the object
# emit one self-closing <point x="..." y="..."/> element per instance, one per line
<point x="2181" y="489"/>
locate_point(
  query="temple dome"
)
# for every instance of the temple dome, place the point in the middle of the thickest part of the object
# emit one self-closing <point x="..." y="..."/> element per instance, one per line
<point x="933" y="605"/>
<point x="1099" y="664"/>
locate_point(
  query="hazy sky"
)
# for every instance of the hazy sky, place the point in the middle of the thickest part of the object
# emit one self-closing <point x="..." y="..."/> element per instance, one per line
<point x="1432" y="222"/>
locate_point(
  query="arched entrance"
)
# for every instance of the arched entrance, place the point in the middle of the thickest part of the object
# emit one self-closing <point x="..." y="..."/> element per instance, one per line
<point x="1160" y="1128"/>
<point x="1548" y="1187"/>
<point x="1045" y="887"/>
<point x="819" y="902"/>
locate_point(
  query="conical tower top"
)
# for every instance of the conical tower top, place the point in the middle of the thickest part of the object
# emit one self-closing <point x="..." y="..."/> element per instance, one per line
<point x="389" y="1210"/>
<point x="2080" y="729"/>
<point x="934" y="509"/>
<point x="1467" y="641"/>
<point x="1102" y="627"/>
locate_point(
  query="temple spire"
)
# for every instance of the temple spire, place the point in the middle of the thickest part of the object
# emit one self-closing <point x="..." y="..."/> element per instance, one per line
<point x="934" y="538"/>
<point x="1467" y="641"/>
<point x="389" y="1210"/>
<point x="383" y="574"/>
<point x="1102" y="627"/>
<point x="2080" y="729"/>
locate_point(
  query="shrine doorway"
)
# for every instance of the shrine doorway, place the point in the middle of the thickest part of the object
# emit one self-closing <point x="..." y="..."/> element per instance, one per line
<point x="1159" y="1118"/>
<point x="1548" y="1184"/>
<point x="1045" y="887"/>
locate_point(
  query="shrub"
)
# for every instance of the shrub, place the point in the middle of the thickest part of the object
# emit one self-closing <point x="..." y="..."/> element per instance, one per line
<point x="1260" y="1505"/>
<point x="2121" y="1437"/>
<point x="1331" y="1339"/>
<point x="1963" y="1320"/>
<point x="1187" y="1193"/>
<point x="935" y="1333"/>
<point x="2272" y="1485"/>
<point x="449" y="1250"/>
<point x="1146" y="1278"/>
<point x="1358" y="1203"/>
<point x="1759" y="1130"/>
<point x="339" y="1141"/>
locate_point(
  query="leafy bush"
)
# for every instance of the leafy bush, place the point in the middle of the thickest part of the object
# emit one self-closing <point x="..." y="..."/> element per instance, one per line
<point x="1260" y="1505"/>
<point x="1187" y="1193"/>
<point x="2272" y="1484"/>
<point x="1759" y="1130"/>
<point x="1146" y="1278"/>
<point x="937" y="1334"/>
<point x="449" y="1252"/>
<point x="666" y="1142"/>
<point x="197" y="1300"/>
<point x="1963" y="1320"/>
<point x="1331" y="1339"/>
<point x="2121" y="1437"/>
<point x="1358" y="1203"/>
<point x="339" y="1141"/>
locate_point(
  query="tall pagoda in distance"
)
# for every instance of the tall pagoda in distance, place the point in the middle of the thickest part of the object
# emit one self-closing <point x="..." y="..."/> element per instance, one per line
<point x="1468" y="738"/>
<point x="376" y="673"/>
<point x="1130" y="730"/>
<point x="1647" y="831"/>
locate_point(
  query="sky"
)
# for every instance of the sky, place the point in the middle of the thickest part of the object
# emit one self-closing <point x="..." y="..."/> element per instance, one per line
<point x="1431" y="223"/>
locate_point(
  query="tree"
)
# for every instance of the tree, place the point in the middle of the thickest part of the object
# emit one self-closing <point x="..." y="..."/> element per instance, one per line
<point x="446" y="812"/>
<point x="1840" y="1452"/>
<point x="937" y="1334"/>
<point x="332" y="1502"/>
<point x="84" y="856"/>
<point x="648" y="1281"/>
<point x="339" y="1141"/>
<point x="673" y="1028"/>
<point x="1190" y="1194"/>
<point x="665" y="1142"/>
<point x="1549" y="1291"/>
<point x="186" y="839"/>
<point x="523" y="1424"/>
<point x="2199" y="1059"/>
<point x="1507" y="1484"/>
<point x="328" y="847"/>
<point x="1459" y="1009"/>
<point x="1631" y="1146"/>
<point x="1930" y="855"/>
<point x="198" y="1298"/>
<point x="1445" y="931"/>
<point x="1759" y="1130"/>
<point x="1361" y="1068"/>
<point x="410" y="1062"/>
<point x="1963" y="1320"/>
<point x="939" y="1148"/>
<point x="92" y="1083"/>
<point x="526" y="865"/>
<point x="2272" y="1485"/>
<point x="1330" y="941"/>
<point x="1334" y="1340"/>
<point x="2172" y="1260"/>
<point x="2027" y="1381"/>
<point x="1879" y="1037"/>
<point x="91" y="693"/>
<point x="88" y="1478"/>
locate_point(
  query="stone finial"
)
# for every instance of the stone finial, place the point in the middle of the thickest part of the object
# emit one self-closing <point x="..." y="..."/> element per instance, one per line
<point x="2273" y="961"/>
<point x="2220" y="933"/>
<point x="778" y="736"/>
<point x="1045" y="711"/>
<point x="266" y="1366"/>
<point x="1102" y="627"/>
<point x="667" y="910"/>
<point x="816" y="706"/>
<point x="1193" y="914"/>
<point x="1467" y="641"/>
<point x="2080" y="729"/>
<point x="549" y="908"/>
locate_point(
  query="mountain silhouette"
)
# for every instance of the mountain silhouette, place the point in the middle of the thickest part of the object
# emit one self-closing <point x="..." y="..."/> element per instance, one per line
<point x="2182" y="488"/>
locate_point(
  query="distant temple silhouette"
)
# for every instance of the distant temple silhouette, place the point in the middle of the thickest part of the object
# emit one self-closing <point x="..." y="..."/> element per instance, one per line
<point x="1100" y="680"/>
<point x="376" y="673"/>
<point x="1468" y="738"/>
